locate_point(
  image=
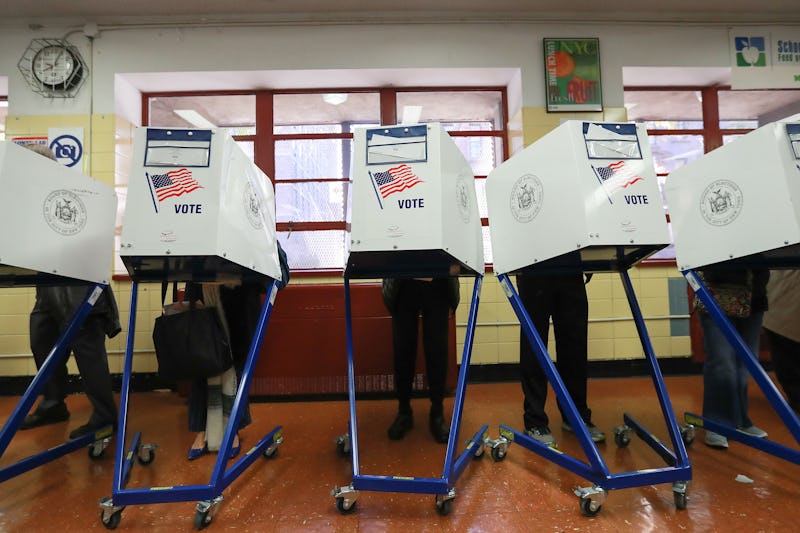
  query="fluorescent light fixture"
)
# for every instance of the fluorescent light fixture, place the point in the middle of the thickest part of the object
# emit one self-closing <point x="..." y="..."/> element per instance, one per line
<point x="334" y="98"/>
<point x="3" y="103"/>
<point x="194" y="118"/>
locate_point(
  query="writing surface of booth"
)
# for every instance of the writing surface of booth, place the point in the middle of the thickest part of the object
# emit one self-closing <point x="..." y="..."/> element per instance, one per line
<point x="197" y="206"/>
<point x="58" y="229"/>
<point x="584" y="198"/>
<point x="58" y="223"/>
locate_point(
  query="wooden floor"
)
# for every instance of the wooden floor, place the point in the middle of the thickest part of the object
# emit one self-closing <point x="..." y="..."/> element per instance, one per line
<point x="522" y="493"/>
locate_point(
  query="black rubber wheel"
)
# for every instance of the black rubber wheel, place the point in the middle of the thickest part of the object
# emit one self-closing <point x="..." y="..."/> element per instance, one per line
<point x="146" y="457"/>
<point x="498" y="454"/>
<point x="586" y="507"/>
<point x="479" y="453"/>
<point x="201" y="519"/>
<point x="688" y="436"/>
<point x="95" y="454"/>
<point x="680" y="500"/>
<point x="340" y="505"/>
<point x="622" y="440"/>
<point x="444" y="507"/>
<point x="112" y="521"/>
<point x="271" y="454"/>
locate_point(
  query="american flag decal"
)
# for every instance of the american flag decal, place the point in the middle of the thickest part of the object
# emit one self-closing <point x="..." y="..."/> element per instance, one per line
<point x="395" y="179"/>
<point x="173" y="183"/>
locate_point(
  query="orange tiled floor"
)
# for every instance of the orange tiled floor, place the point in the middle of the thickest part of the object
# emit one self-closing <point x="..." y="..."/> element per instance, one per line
<point x="522" y="493"/>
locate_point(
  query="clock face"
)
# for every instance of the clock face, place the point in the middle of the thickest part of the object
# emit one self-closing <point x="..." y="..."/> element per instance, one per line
<point x="56" y="66"/>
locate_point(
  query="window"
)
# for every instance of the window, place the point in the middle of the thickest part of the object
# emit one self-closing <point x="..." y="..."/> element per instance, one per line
<point x="3" y="115"/>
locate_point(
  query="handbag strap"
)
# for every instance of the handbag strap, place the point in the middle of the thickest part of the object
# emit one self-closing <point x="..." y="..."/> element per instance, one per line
<point x="164" y="285"/>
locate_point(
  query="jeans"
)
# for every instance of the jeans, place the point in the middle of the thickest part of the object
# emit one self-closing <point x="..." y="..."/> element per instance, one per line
<point x="724" y="373"/>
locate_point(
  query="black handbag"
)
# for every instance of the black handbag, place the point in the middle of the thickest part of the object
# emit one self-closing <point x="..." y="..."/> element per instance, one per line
<point x="190" y="342"/>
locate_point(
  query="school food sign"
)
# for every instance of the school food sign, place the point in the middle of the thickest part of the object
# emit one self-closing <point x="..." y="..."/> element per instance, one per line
<point x="765" y="58"/>
<point x="572" y="75"/>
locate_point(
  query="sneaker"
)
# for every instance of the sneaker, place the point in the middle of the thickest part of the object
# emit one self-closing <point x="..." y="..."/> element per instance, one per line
<point x="595" y="432"/>
<point x="401" y="425"/>
<point x="42" y="417"/>
<point x="715" y="440"/>
<point x="542" y="434"/>
<point x="754" y="431"/>
<point x="90" y="427"/>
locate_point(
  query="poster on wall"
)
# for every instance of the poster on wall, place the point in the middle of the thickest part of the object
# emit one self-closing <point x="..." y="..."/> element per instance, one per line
<point x="765" y="58"/>
<point x="572" y="75"/>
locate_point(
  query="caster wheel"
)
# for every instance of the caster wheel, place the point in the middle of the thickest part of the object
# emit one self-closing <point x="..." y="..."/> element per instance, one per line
<point x="498" y="454"/>
<point x="444" y="507"/>
<point x="201" y="519"/>
<point x="146" y="457"/>
<point x="589" y="508"/>
<point x="345" y="507"/>
<point x="621" y="440"/>
<point x="111" y="521"/>
<point x="96" y="450"/>
<point x="680" y="500"/>
<point x="687" y="434"/>
<point x="479" y="453"/>
<point x="341" y="448"/>
<point x="271" y="454"/>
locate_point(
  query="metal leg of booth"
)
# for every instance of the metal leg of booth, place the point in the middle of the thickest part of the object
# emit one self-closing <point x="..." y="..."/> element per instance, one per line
<point x="209" y="496"/>
<point x="759" y="375"/>
<point x="442" y="487"/>
<point x="678" y="471"/>
<point x="96" y="441"/>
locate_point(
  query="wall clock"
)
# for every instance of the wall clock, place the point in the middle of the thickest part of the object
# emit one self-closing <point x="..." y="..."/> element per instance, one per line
<point x="53" y="68"/>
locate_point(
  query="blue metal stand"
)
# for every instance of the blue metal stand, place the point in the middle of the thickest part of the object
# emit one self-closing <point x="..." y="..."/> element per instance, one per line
<point x="96" y="441"/>
<point x="678" y="471"/>
<point x="759" y="375"/>
<point x="210" y="495"/>
<point x="442" y="487"/>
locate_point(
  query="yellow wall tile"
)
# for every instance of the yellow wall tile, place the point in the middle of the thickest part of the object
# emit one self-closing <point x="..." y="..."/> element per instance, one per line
<point x="628" y="348"/>
<point x="601" y="349"/>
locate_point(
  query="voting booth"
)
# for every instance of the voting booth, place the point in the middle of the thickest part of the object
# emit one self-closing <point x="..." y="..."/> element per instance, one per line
<point x="413" y="213"/>
<point x="58" y="229"/>
<point x="586" y="187"/>
<point x="198" y="209"/>
<point x="738" y="206"/>
<point x="584" y="198"/>
<point x="59" y="224"/>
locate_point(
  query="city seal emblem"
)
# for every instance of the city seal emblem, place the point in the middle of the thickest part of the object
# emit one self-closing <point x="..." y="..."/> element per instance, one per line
<point x="721" y="202"/>
<point x="463" y="199"/>
<point x="64" y="212"/>
<point x="252" y="206"/>
<point x="526" y="198"/>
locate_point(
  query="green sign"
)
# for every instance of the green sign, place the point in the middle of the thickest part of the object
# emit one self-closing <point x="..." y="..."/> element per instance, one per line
<point x="572" y="75"/>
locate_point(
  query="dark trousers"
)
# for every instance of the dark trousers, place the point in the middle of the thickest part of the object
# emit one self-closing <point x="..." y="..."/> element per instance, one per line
<point x="430" y="298"/>
<point x="786" y="360"/>
<point x="562" y="297"/>
<point x="89" y="349"/>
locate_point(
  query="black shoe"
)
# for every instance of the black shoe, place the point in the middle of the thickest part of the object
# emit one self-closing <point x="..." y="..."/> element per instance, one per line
<point x="401" y="425"/>
<point x="440" y="429"/>
<point x="90" y="427"/>
<point x="42" y="417"/>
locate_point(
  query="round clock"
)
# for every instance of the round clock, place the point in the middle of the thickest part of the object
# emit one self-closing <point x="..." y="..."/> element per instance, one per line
<point x="56" y="67"/>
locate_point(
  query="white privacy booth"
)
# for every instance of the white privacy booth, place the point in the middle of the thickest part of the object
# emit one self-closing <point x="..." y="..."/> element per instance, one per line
<point x="413" y="213"/>
<point x="198" y="209"/>
<point x="58" y="229"/>
<point x="738" y="207"/>
<point x="584" y="198"/>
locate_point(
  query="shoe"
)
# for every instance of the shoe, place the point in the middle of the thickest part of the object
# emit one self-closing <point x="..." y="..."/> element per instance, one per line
<point x="440" y="429"/>
<point x="236" y="449"/>
<point x="542" y="434"/>
<point x="401" y="425"/>
<point x="90" y="427"/>
<point x="754" y="431"/>
<point x="42" y="417"/>
<point x="595" y="432"/>
<point x="715" y="440"/>
<point x="196" y="453"/>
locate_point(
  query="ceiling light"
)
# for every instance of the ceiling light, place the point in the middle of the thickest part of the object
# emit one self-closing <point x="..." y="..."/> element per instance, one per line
<point x="194" y="118"/>
<point x="334" y="98"/>
<point x="3" y="103"/>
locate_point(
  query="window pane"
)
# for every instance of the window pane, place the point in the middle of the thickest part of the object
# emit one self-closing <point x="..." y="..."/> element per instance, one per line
<point x="670" y="108"/>
<point x="729" y="138"/>
<point x="234" y="112"/>
<point x="248" y="147"/>
<point x="487" y="245"/>
<point x="315" y="108"/>
<point x="312" y="159"/>
<point x="760" y="107"/>
<point x="314" y="249"/>
<point x="309" y="202"/>
<point x="482" y="153"/>
<point x="673" y="151"/>
<point x="480" y="192"/>
<point x="484" y="108"/>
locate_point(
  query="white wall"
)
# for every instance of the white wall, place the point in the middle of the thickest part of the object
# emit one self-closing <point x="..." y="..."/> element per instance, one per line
<point x="374" y="46"/>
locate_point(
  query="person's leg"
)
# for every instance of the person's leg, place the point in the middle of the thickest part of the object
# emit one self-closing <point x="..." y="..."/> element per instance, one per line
<point x="786" y="359"/>
<point x="404" y="341"/>
<point x="750" y="330"/>
<point x="197" y="415"/>
<point x="92" y="360"/>
<point x="435" y="333"/>
<point x="44" y="333"/>
<point x="720" y="383"/>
